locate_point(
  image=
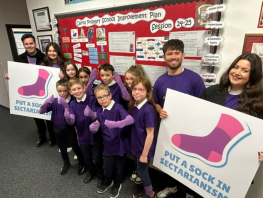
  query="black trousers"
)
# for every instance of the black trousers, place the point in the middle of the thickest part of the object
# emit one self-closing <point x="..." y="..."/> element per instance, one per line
<point x="42" y="126"/>
<point x="67" y="136"/>
<point x="113" y="169"/>
<point x="93" y="158"/>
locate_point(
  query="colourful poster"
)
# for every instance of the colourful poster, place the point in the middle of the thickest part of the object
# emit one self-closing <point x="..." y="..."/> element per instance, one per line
<point x="29" y="87"/>
<point x="209" y="148"/>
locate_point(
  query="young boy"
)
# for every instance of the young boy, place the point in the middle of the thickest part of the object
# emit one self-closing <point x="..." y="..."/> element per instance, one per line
<point x="117" y="88"/>
<point x="112" y="118"/>
<point x="90" y="144"/>
<point x="65" y="134"/>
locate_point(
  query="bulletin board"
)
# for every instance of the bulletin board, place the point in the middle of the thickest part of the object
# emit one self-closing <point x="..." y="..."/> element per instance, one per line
<point x="135" y="34"/>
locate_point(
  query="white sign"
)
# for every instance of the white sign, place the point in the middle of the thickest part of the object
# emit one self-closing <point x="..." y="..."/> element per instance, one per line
<point x="164" y="26"/>
<point x="214" y="40"/>
<point x="122" y="63"/>
<point x="29" y="87"/>
<point x="216" y="8"/>
<point x="211" y="58"/>
<point x="215" y="25"/>
<point x="187" y="23"/>
<point x="194" y="45"/>
<point x="209" y="148"/>
<point x="124" y="19"/>
<point x="123" y="42"/>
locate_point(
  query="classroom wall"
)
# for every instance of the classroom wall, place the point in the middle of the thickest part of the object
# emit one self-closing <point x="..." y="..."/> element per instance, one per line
<point x="241" y="17"/>
<point x="11" y="12"/>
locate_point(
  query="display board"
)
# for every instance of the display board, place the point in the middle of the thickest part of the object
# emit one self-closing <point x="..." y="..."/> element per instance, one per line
<point x="135" y="34"/>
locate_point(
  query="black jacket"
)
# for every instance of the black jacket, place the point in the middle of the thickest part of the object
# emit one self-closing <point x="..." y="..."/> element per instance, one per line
<point x="215" y="95"/>
<point x="22" y="58"/>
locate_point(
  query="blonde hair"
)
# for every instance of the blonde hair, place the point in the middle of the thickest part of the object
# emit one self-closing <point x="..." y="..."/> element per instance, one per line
<point x="74" y="81"/>
<point x="101" y="87"/>
<point x="136" y="70"/>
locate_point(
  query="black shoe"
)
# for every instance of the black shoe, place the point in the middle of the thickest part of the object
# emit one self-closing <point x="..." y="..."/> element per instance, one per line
<point x="82" y="169"/>
<point x="64" y="169"/>
<point x="100" y="182"/>
<point x="104" y="188"/>
<point x="88" y="178"/>
<point x="52" y="143"/>
<point x="40" y="142"/>
<point x="115" y="191"/>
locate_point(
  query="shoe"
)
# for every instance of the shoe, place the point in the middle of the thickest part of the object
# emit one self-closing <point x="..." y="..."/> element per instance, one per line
<point x="40" y="142"/>
<point x="139" y="194"/>
<point x="81" y="169"/>
<point x="64" y="169"/>
<point x="138" y="180"/>
<point x="143" y="195"/>
<point x="115" y="192"/>
<point x="69" y="149"/>
<point x="134" y="175"/>
<point x="104" y="188"/>
<point x="167" y="191"/>
<point x="100" y="183"/>
<point x="51" y="143"/>
<point x="75" y="157"/>
<point x="88" y="178"/>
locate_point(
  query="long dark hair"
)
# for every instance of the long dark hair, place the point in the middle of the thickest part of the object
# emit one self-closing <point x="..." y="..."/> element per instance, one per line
<point x="146" y="83"/>
<point x="60" y="60"/>
<point x="251" y="99"/>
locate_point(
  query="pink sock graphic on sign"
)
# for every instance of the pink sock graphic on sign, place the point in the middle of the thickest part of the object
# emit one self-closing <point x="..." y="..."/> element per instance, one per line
<point x="38" y="88"/>
<point x="210" y="147"/>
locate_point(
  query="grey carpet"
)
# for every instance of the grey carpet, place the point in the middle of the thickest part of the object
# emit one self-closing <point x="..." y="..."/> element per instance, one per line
<point x="31" y="172"/>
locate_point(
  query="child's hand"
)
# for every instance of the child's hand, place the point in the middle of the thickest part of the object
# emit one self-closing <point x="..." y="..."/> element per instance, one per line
<point x="111" y="124"/>
<point x="6" y="76"/>
<point x="50" y="99"/>
<point x="117" y="77"/>
<point x="61" y="75"/>
<point x="94" y="127"/>
<point x="63" y="102"/>
<point x="92" y="78"/>
<point x="143" y="159"/>
<point x="90" y="113"/>
<point x="260" y="156"/>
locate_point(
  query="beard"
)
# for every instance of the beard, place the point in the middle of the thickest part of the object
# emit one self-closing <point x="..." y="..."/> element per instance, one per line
<point x="175" y="67"/>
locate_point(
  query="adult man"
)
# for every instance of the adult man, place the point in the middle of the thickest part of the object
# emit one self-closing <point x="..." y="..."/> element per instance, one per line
<point x="32" y="55"/>
<point x="179" y="79"/>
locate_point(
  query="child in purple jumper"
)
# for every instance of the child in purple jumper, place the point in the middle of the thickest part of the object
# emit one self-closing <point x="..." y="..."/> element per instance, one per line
<point x="112" y="118"/>
<point x="143" y="136"/>
<point x="90" y="144"/>
<point x="64" y="133"/>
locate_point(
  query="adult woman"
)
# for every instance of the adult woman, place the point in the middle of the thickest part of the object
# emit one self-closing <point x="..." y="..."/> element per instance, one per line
<point x="240" y="87"/>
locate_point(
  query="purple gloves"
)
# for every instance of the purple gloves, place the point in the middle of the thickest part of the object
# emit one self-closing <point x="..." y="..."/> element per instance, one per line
<point x="70" y="118"/>
<point x="119" y="124"/>
<point x="43" y="108"/>
<point x="92" y="78"/>
<point x="124" y="91"/>
<point x="94" y="127"/>
<point x="90" y="113"/>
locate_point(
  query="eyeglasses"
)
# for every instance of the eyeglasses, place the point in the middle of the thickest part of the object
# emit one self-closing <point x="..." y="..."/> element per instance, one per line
<point x="139" y="89"/>
<point x="103" y="97"/>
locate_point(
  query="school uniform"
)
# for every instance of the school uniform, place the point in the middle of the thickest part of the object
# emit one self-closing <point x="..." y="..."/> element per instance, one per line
<point x="90" y="143"/>
<point x="144" y="117"/>
<point x="115" y="141"/>
<point x="64" y="133"/>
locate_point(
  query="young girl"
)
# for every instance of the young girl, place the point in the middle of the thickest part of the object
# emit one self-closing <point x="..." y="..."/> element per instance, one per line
<point x="54" y="58"/>
<point x="143" y="140"/>
<point x="133" y="72"/>
<point x="70" y="70"/>
<point x="84" y="74"/>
